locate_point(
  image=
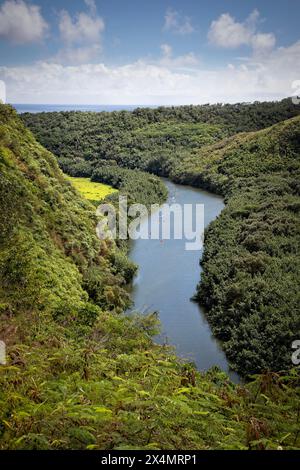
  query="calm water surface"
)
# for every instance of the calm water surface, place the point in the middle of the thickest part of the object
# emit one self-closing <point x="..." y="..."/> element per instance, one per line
<point x="167" y="278"/>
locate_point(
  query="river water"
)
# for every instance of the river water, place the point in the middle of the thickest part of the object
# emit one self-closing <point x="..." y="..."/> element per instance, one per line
<point x="166" y="281"/>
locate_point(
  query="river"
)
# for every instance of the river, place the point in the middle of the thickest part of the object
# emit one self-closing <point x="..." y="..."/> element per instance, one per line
<point x="166" y="281"/>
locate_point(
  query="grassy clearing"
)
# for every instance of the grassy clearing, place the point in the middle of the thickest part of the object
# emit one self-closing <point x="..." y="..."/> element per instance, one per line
<point x="91" y="190"/>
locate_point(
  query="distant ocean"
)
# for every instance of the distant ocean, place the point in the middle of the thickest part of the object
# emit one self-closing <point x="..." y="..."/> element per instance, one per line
<point x="48" y="108"/>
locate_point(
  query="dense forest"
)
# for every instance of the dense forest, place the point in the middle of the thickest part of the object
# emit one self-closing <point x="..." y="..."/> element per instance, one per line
<point x="151" y="140"/>
<point x="250" y="280"/>
<point x="82" y="375"/>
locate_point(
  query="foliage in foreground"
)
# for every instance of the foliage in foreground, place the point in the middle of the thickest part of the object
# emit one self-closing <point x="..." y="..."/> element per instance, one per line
<point x="108" y="386"/>
<point x="80" y="374"/>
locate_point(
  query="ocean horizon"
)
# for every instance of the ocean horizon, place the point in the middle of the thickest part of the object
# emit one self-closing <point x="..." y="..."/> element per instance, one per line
<point x="47" y="108"/>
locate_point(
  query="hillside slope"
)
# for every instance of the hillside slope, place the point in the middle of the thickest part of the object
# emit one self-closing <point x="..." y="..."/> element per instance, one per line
<point x="50" y="254"/>
<point x="251" y="269"/>
<point x="152" y="140"/>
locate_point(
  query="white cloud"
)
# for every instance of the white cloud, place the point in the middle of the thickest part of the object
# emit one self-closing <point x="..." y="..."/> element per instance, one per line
<point x="78" y="55"/>
<point x="179" y="62"/>
<point x="81" y="36"/>
<point x="183" y="62"/>
<point x="166" y="50"/>
<point x="21" y="22"/>
<point x="176" y="23"/>
<point x="84" y="28"/>
<point x="263" y="41"/>
<point x="91" y="5"/>
<point x="162" y="82"/>
<point x="228" y="33"/>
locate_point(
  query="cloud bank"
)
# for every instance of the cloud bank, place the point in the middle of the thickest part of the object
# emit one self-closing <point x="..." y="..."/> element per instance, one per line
<point x="167" y="81"/>
<point x="77" y="75"/>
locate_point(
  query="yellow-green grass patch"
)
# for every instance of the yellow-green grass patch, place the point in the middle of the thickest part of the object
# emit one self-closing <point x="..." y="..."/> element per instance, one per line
<point x="91" y="190"/>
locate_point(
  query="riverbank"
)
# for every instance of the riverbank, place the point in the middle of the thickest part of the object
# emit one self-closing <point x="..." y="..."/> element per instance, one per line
<point x="166" y="281"/>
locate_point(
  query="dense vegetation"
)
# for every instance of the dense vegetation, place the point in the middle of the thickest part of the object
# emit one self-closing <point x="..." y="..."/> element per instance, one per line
<point x="82" y="375"/>
<point x="251" y="280"/>
<point x="139" y="187"/>
<point x="251" y="269"/>
<point x="152" y="140"/>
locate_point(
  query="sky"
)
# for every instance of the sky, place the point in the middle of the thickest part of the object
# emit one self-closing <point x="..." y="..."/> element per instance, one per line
<point x="158" y="52"/>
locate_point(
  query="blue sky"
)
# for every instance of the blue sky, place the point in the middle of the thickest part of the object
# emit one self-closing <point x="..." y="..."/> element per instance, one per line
<point x="158" y="52"/>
